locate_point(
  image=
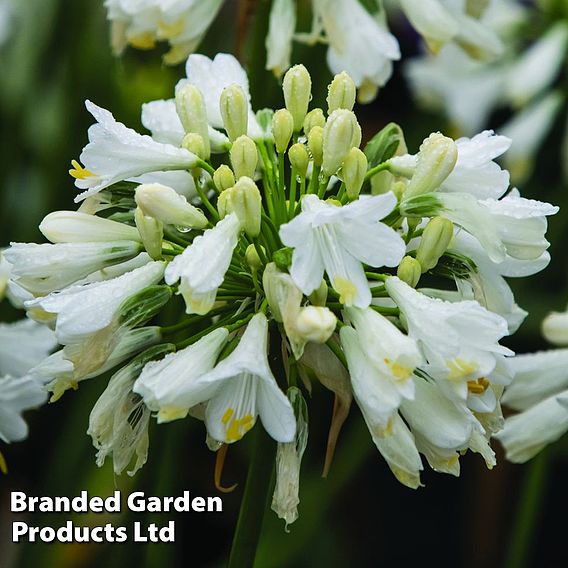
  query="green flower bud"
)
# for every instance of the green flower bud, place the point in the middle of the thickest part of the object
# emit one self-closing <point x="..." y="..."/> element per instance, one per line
<point x="435" y="162"/>
<point x="282" y="128"/>
<point x="283" y="258"/>
<point x="319" y="296"/>
<point x="341" y="93"/>
<point x="299" y="158"/>
<point x="297" y="87"/>
<point x="315" y="144"/>
<point x="244" y="157"/>
<point x="252" y="258"/>
<point x="436" y="238"/>
<point x="314" y="118"/>
<point x="354" y="170"/>
<point x="234" y="110"/>
<point x="191" y="110"/>
<point x="194" y="143"/>
<point x="244" y="200"/>
<point x="340" y="133"/>
<point x="409" y="270"/>
<point x="223" y="178"/>
<point x="143" y="306"/>
<point x="168" y="206"/>
<point x="151" y="232"/>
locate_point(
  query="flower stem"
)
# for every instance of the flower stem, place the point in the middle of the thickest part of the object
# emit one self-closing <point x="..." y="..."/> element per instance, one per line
<point x="526" y="519"/>
<point x="255" y="501"/>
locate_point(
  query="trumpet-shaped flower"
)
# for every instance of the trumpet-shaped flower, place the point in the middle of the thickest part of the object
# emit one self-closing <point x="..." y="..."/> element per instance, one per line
<point x="17" y="395"/>
<point x="116" y="153"/>
<point x="338" y="240"/>
<point x="22" y="345"/>
<point x="167" y="385"/>
<point x="85" y="310"/>
<point x="202" y="266"/>
<point x="242" y="387"/>
<point x="281" y="27"/>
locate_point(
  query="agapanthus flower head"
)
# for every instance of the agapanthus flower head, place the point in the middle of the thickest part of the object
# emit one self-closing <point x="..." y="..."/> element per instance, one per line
<point x="290" y="265"/>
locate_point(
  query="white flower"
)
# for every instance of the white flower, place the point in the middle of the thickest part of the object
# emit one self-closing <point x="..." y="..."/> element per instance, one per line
<point x="84" y="310"/>
<point x="527" y="433"/>
<point x="141" y="23"/>
<point x="211" y="76"/>
<point x="116" y="153"/>
<point x="555" y="328"/>
<point x="358" y="43"/>
<point x="241" y="388"/>
<point x="5" y="273"/>
<point x="41" y="269"/>
<point x="17" y="395"/>
<point x="381" y="360"/>
<point x="167" y="385"/>
<point x="202" y="266"/>
<point x="460" y="340"/>
<point x="337" y="240"/>
<point x="22" y="345"/>
<point x="281" y="26"/>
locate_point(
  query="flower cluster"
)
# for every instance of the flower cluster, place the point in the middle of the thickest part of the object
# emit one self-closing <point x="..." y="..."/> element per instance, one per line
<point x="277" y="235"/>
<point x="357" y="32"/>
<point x="523" y="80"/>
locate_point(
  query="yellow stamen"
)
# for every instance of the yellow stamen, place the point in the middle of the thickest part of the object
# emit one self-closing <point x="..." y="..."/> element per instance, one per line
<point x="460" y="368"/>
<point x="227" y="416"/>
<point x="236" y="428"/>
<point x="143" y="41"/>
<point x="79" y="172"/>
<point x="346" y="290"/>
<point x="399" y="371"/>
<point x="479" y="386"/>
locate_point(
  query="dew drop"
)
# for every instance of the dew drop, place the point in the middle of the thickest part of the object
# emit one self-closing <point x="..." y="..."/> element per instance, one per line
<point x="182" y="229"/>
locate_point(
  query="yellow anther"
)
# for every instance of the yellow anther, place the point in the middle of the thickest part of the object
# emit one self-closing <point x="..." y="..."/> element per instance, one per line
<point x="399" y="371"/>
<point x="460" y="368"/>
<point x="479" y="386"/>
<point x="143" y="41"/>
<point x="79" y="172"/>
<point x="346" y="290"/>
<point x="227" y="415"/>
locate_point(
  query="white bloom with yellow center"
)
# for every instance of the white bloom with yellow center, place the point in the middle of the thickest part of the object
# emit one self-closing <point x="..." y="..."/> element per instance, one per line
<point x="337" y="240"/>
<point x="202" y="266"/>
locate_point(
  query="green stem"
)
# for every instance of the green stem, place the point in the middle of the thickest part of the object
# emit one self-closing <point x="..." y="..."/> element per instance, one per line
<point x="205" y="200"/>
<point x="254" y="503"/>
<point x="526" y="519"/>
<point x="376" y="170"/>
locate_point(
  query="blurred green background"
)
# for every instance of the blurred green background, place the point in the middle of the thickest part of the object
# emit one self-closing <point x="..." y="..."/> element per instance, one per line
<point x="58" y="56"/>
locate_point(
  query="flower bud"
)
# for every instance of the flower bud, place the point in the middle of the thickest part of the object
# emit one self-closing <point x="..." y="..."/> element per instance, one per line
<point x="166" y="205"/>
<point x="252" y="258"/>
<point x="190" y="107"/>
<point x="341" y="93"/>
<point x="319" y="296"/>
<point x="299" y="158"/>
<point x="284" y="297"/>
<point x="244" y="200"/>
<point x="195" y="144"/>
<point x="244" y="157"/>
<point x="409" y="270"/>
<point x="435" y="162"/>
<point x="315" y="144"/>
<point x="341" y="133"/>
<point x="435" y="240"/>
<point x="555" y="328"/>
<point x="223" y="178"/>
<point x="151" y="231"/>
<point x="315" y="323"/>
<point x="234" y="110"/>
<point x="314" y="118"/>
<point x="297" y="87"/>
<point x="143" y="306"/>
<point x="282" y="128"/>
<point x="354" y="170"/>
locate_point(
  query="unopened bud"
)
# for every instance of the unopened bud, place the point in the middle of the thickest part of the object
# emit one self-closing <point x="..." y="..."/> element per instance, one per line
<point x="195" y="144"/>
<point x="253" y="259"/>
<point x="234" y="110"/>
<point x="555" y="328"/>
<point x="223" y="178"/>
<point x="315" y="144"/>
<point x="282" y="129"/>
<point x="435" y="162"/>
<point x="319" y="296"/>
<point x="409" y="270"/>
<point x="166" y="205"/>
<point x="341" y="133"/>
<point x="245" y="201"/>
<point x="297" y="87"/>
<point x="284" y="297"/>
<point x="151" y="232"/>
<point x="435" y="240"/>
<point x="354" y="170"/>
<point x="315" y="323"/>
<point x="191" y="110"/>
<point x="341" y="93"/>
<point x="314" y="118"/>
<point x="299" y="159"/>
<point x="244" y="157"/>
